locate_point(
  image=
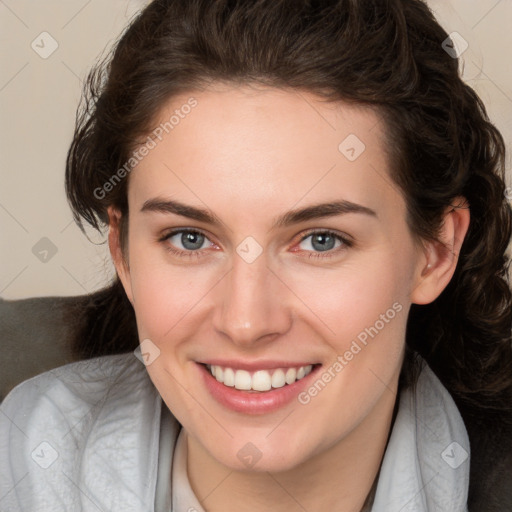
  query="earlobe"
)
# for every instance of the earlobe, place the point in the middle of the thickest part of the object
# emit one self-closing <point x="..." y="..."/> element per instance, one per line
<point x="440" y="259"/>
<point x="116" y="252"/>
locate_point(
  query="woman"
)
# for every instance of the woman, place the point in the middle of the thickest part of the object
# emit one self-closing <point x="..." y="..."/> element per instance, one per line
<point x="307" y="216"/>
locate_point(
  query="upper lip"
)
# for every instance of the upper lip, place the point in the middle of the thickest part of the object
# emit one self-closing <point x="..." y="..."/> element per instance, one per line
<point x="255" y="365"/>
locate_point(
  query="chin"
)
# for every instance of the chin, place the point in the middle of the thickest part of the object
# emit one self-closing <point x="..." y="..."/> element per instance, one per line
<point x="260" y="453"/>
<point x="274" y="463"/>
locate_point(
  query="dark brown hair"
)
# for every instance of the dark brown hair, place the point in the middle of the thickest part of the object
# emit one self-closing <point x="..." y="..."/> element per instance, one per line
<point x="385" y="54"/>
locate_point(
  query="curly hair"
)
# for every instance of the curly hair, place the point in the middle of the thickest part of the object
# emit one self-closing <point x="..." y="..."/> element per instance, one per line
<point x="386" y="54"/>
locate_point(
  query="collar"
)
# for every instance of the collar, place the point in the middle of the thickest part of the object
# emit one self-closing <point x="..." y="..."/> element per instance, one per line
<point x="426" y="463"/>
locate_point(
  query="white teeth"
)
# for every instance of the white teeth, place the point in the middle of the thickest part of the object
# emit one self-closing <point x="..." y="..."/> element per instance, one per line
<point x="219" y="373"/>
<point x="291" y="375"/>
<point x="242" y="380"/>
<point x="261" y="380"/>
<point x="278" y="379"/>
<point x="229" y="377"/>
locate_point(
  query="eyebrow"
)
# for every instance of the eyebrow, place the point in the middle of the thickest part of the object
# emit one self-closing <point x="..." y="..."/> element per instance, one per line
<point x="316" y="211"/>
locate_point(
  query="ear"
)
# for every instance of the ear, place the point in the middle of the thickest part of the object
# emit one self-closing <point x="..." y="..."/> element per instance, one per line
<point x="118" y="258"/>
<point x="439" y="259"/>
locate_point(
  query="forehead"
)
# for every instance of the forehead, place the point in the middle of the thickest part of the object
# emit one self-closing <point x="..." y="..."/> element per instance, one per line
<point x="264" y="146"/>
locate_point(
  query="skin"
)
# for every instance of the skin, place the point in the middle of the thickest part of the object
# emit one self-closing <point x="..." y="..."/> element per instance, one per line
<point x="248" y="155"/>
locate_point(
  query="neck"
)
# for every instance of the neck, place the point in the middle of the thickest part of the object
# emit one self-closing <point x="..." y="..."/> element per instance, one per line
<point x="340" y="478"/>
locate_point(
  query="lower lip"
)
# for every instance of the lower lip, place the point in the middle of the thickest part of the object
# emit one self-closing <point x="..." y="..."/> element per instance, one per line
<point x="255" y="402"/>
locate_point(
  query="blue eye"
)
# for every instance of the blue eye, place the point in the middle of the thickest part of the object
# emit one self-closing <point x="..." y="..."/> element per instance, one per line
<point x="191" y="240"/>
<point x="324" y="244"/>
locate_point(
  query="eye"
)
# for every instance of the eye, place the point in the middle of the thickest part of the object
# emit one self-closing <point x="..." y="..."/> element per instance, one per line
<point x="191" y="240"/>
<point x="324" y="242"/>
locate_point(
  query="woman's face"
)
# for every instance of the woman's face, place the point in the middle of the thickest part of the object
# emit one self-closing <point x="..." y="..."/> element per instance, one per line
<point x="251" y="173"/>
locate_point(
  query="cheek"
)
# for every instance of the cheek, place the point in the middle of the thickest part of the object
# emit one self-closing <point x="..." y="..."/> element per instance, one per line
<point x="171" y="300"/>
<point x="351" y="298"/>
<point x="363" y="313"/>
<point x="162" y="299"/>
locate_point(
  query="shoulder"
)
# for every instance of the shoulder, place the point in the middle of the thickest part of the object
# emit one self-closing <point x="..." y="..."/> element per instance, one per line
<point x="490" y="441"/>
<point x="80" y="423"/>
<point x="74" y="386"/>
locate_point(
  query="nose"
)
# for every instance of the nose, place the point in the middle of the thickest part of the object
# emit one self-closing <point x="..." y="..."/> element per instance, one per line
<point x="253" y="304"/>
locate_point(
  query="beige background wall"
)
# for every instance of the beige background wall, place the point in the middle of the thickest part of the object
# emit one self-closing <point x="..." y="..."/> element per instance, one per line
<point x="39" y="96"/>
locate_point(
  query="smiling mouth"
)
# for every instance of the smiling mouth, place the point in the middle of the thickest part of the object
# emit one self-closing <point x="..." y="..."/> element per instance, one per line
<point x="260" y="380"/>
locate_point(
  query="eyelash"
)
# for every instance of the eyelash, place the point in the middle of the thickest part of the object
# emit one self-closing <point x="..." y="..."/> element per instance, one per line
<point x="346" y="243"/>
